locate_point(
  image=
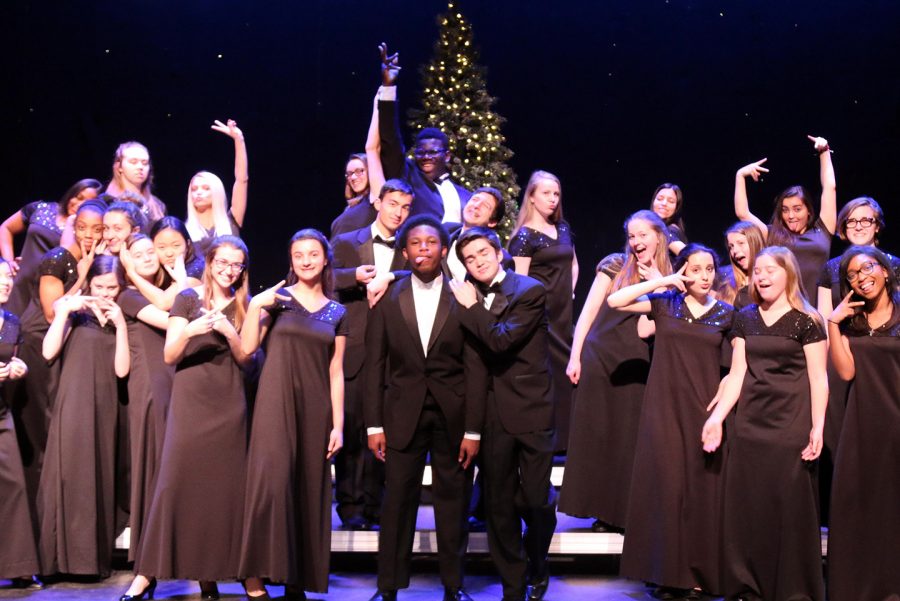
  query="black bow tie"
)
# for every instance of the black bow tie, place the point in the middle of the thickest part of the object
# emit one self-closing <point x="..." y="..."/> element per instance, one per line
<point x="387" y="242"/>
<point x="485" y="289"/>
<point x="499" y="302"/>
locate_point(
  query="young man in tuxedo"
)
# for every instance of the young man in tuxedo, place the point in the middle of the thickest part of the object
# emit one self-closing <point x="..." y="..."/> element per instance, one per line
<point x="427" y="388"/>
<point x="361" y="257"/>
<point x="484" y="209"/>
<point x="507" y="314"/>
<point x="429" y="171"/>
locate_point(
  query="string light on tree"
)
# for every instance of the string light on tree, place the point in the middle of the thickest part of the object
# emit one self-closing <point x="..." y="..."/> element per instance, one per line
<point x="462" y="109"/>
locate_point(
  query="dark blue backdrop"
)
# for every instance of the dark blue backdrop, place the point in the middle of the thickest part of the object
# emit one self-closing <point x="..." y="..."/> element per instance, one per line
<point x="615" y="97"/>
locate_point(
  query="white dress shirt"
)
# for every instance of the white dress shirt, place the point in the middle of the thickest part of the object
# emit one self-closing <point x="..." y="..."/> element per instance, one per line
<point x="457" y="269"/>
<point x="450" y="196"/>
<point x="384" y="255"/>
<point x="426" y="297"/>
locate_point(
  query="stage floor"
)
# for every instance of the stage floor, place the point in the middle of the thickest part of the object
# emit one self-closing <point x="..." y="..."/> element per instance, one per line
<point x="352" y="586"/>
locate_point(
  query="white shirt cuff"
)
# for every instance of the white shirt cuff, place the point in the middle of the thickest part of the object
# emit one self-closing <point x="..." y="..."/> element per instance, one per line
<point x="472" y="435"/>
<point x="371" y="431"/>
<point x="387" y="93"/>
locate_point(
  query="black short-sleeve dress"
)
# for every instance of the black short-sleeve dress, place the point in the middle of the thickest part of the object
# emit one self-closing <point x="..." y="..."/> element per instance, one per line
<point x="772" y="545"/>
<point x="864" y="533"/>
<point x="42" y="233"/>
<point x="615" y="363"/>
<point x="287" y="518"/>
<point x="193" y="529"/>
<point x="77" y="495"/>
<point x="551" y="265"/>
<point x="673" y="523"/>
<point x="812" y="249"/>
<point x="33" y="398"/>
<point x="149" y="388"/>
<point x="18" y="552"/>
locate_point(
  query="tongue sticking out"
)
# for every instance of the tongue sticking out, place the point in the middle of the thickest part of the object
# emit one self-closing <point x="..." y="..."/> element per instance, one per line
<point x="420" y="260"/>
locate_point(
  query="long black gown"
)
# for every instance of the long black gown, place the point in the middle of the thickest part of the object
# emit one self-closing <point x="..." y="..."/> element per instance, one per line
<point x="615" y="363"/>
<point x="42" y="233"/>
<point x="287" y="517"/>
<point x="551" y="265"/>
<point x="193" y="529"/>
<point x="77" y="495"/>
<point x="33" y="402"/>
<point x="149" y="388"/>
<point x="18" y="552"/>
<point x="772" y="545"/>
<point x="864" y="534"/>
<point x="674" y="512"/>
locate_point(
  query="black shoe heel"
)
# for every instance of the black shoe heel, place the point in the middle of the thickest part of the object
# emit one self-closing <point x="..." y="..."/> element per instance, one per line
<point x="147" y="593"/>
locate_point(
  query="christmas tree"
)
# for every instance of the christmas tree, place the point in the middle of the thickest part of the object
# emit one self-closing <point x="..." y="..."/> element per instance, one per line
<point x="455" y="100"/>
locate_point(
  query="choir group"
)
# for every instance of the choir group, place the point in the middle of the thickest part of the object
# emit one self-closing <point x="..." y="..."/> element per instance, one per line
<point x="143" y="385"/>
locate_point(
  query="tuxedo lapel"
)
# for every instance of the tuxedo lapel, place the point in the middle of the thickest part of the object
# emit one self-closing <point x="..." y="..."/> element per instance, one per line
<point x="443" y="312"/>
<point x="366" y="250"/>
<point x="408" y="310"/>
<point x="399" y="262"/>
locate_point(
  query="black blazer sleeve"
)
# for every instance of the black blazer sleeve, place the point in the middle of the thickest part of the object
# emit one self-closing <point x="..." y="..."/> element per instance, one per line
<point x="376" y="357"/>
<point x="511" y="330"/>
<point x="346" y="261"/>
<point x="477" y="379"/>
<point x="392" y="150"/>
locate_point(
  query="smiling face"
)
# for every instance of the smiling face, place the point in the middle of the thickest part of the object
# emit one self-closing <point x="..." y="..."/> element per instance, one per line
<point x="794" y="214"/>
<point x="6" y="282"/>
<point x="146" y="261"/>
<point x="169" y="244"/>
<point x="105" y="286"/>
<point x="135" y="165"/>
<point x="861" y="226"/>
<point x="424" y="251"/>
<point x="482" y="260"/>
<point x="88" y="230"/>
<point x="308" y="260"/>
<point x="116" y="229"/>
<point x="869" y="285"/>
<point x="665" y="203"/>
<point x="701" y="267"/>
<point x="75" y="201"/>
<point x="357" y="176"/>
<point x="642" y="240"/>
<point x="393" y="210"/>
<point x="770" y="278"/>
<point x="479" y="210"/>
<point x="739" y="250"/>
<point x="431" y="157"/>
<point x="545" y="197"/>
<point x="226" y="266"/>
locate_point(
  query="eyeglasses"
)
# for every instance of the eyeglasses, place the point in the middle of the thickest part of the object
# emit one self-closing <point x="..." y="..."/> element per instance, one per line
<point x="429" y="154"/>
<point x="865" y="222"/>
<point x="222" y="265"/>
<point x="866" y="268"/>
<point x="355" y="173"/>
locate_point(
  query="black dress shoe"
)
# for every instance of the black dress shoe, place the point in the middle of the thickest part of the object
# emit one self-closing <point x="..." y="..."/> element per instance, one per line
<point x="356" y="522"/>
<point x="536" y="590"/>
<point x="147" y="593"/>
<point x="384" y="596"/>
<point x="27" y="583"/>
<point x="209" y="590"/>
<point x="294" y="593"/>
<point x="476" y="525"/>
<point x="456" y="594"/>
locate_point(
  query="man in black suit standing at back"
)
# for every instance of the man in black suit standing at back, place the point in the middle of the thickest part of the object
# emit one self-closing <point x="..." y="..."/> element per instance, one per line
<point x="429" y="172"/>
<point x="361" y="257"/>
<point x="429" y="402"/>
<point x="507" y="314"/>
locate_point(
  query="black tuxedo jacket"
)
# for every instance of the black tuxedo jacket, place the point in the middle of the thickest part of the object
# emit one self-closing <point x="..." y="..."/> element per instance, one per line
<point x="395" y="164"/>
<point x="452" y="372"/>
<point x="508" y="263"/>
<point x="515" y="348"/>
<point x="353" y="218"/>
<point x="350" y="251"/>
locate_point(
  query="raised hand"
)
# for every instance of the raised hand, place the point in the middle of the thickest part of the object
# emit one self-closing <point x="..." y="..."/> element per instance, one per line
<point x="846" y="308"/>
<point x="270" y="297"/>
<point x="365" y="273"/>
<point x="75" y="302"/>
<point x="678" y="279"/>
<point x="390" y="65"/>
<point x="649" y="272"/>
<point x="754" y="170"/>
<point x="229" y="128"/>
<point x="126" y="259"/>
<point x="84" y="263"/>
<point x="464" y="292"/>
<point x="111" y="312"/>
<point x="178" y="272"/>
<point x="820" y="144"/>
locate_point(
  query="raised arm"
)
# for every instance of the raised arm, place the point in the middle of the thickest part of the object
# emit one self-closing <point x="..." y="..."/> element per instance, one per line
<point x="500" y="335"/>
<point x="241" y="171"/>
<point x="392" y="150"/>
<point x="633" y="299"/>
<point x="839" y="347"/>
<point x="828" y="202"/>
<point x="14" y="224"/>
<point x="257" y="321"/>
<point x="741" y="203"/>
<point x="373" y="153"/>
<point x="60" y="326"/>
<point x="595" y="299"/>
